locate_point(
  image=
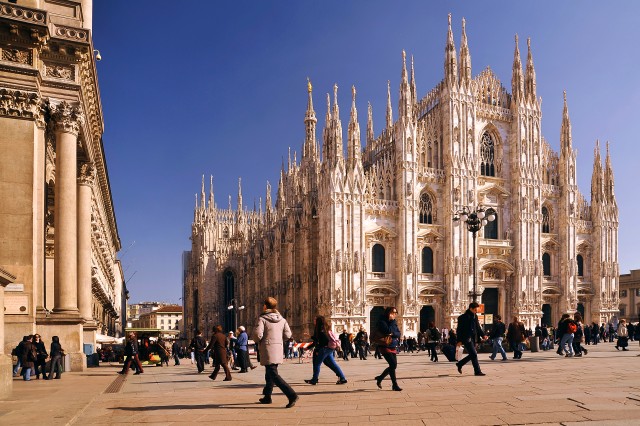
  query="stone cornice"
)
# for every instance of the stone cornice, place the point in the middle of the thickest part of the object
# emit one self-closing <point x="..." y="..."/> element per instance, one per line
<point x="67" y="118"/>
<point x="24" y="14"/>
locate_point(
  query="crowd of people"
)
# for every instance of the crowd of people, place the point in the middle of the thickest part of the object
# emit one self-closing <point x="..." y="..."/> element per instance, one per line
<point x="32" y="359"/>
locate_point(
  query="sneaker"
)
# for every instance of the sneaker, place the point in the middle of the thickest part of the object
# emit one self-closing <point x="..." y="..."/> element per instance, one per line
<point x="311" y="381"/>
<point x="341" y="382"/>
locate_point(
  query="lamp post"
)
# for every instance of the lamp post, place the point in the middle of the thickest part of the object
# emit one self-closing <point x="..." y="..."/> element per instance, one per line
<point x="475" y="220"/>
<point x="233" y="306"/>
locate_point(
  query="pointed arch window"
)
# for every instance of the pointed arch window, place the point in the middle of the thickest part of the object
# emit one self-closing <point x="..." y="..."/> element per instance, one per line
<point x="491" y="229"/>
<point x="225" y="232"/>
<point x="426" y="208"/>
<point x="427" y="260"/>
<point x="546" y="221"/>
<point x="580" y="262"/>
<point x="378" y="258"/>
<point x="546" y="264"/>
<point x="487" y="155"/>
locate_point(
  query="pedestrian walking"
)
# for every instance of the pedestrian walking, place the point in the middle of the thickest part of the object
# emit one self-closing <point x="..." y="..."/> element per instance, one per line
<point x="218" y="347"/>
<point x="131" y="352"/>
<point x="388" y="339"/>
<point x="566" y="328"/>
<point x="269" y="334"/>
<point x="323" y="353"/>
<point x="515" y="336"/>
<point x="56" y="353"/>
<point x="578" y="336"/>
<point x="496" y="335"/>
<point x="345" y="345"/>
<point x="433" y="338"/>
<point x="175" y="351"/>
<point x="199" y="346"/>
<point x="469" y="332"/>
<point x="242" y="351"/>
<point x="623" y="336"/>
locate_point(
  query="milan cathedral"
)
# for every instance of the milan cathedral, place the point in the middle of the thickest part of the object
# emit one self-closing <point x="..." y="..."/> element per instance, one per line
<point x="349" y="235"/>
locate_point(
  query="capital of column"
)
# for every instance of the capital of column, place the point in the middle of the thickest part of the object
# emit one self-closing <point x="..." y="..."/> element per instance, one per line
<point x="22" y="104"/>
<point x="67" y="117"/>
<point x="86" y="174"/>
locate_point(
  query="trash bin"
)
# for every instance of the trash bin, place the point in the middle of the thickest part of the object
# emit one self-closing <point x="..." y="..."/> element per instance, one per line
<point x="534" y="342"/>
<point x="93" y="360"/>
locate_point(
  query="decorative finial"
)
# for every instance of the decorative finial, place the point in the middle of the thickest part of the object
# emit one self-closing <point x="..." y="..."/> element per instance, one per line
<point x="529" y="42"/>
<point x="564" y="93"/>
<point x="516" y="38"/>
<point x="404" y="56"/>
<point x="309" y="87"/>
<point x="353" y="93"/>
<point x="449" y="19"/>
<point x="464" y="22"/>
<point x="335" y="93"/>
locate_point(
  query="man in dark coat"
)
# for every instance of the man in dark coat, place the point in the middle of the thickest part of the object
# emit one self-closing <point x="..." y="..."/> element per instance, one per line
<point x="199" y="348"/>
<point x="469" y="332"/>
<point x="345" y="345"/>
<point x="131" y="351"/>
<point x="218" y="347"/>
<point x="175" y="351"/>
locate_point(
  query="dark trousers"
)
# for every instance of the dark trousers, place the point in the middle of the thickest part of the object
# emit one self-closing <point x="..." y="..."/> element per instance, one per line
<point x="200" y="361"/>
<point x="136" y="361"/>
<point x="432" y="350"/>
<point x="55" y="366"/>
<point x="472" y="356"/>
<point x="272" y="378"/>
<point x="41" y="367"/>
<point x="176" y="359"/>
<point x="517" y="353"/>
<point x="345" y="353"/>
<point x="392" y="360"/>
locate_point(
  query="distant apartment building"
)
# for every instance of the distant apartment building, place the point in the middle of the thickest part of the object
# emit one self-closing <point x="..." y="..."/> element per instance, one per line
<point x="630" y="296"/>
<point x="136" y="310"/>
<point x="166" y="318"/>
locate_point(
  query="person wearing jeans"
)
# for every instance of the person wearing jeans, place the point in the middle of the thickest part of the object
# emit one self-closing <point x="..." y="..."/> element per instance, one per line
<point x="322" y="353"/>
<point x="567" y="336"/>
<point x="388" y="327"/>
<point x="496" y="336"/>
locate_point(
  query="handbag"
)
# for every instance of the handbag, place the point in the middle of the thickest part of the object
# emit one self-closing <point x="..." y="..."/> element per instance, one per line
<point x="385" y="340"/>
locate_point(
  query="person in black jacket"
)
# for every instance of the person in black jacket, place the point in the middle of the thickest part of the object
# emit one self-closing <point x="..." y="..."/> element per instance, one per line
<point x="199" y="348"/>
<point x="41" y="360"/>
<point x="131" y="351"/>
<point x="388" y="327"/>
<point x="56" y="359"/>
<point x="496" y="336"/>
<point x="469" y="332"/>
<point x="175" y="351"/>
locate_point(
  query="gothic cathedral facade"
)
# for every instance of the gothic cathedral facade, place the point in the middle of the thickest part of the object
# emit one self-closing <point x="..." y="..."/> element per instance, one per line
<point x="349" y="235"/>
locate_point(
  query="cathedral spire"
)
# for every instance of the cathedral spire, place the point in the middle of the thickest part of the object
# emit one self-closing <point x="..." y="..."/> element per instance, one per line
<point x="465" y="58"/>
<point x="309" y="150"/>
<point x="370" y="134"/>
<point x="565" y="130"/>
<point x="239" y="195"/>
<point x="355" y="145"/>
<point x="405" y="99"/>
<point x="517" y="80"/>
<point x="597" y="187"/>
<point x="414" y="94"/>
<point x="268" y="204"/>
<point x="608" y="179"/>
<point x="530" y="78"/>
<point x="212" y="204"/>
<point x="336" y="108"/>
<point x="450" y="62"/>
<point x="389" y="109"/>
<point x="203" y="199"/>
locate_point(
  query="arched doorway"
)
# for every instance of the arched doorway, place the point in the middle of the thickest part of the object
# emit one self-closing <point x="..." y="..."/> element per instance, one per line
<point x="546" y="315"/>
<point x="229" y="294"/>
<point x="427" y="314"/>
<point x="490" y="301"/>
<point x="581" y="310"/>
<point x="376" y="313"/>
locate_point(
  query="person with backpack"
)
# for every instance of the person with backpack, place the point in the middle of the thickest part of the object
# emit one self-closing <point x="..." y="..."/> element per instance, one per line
<point x="325" y="342"/>
<point x="433" y="338"/>
<point x="496" y="335"/>
<point x="566" y="328"/>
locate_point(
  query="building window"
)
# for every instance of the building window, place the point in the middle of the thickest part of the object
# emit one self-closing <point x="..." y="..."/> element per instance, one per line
<point x="546" y="228"/>
<point x="161" y="321"/>
<point x="623" y="293"/>
<point x="491" y="229"/>
<point x="546" y="264"/>
<point x="487" y="155"/>
<point x="622" y="310"/>
<point x="637" y="291"/>
<point x="427" y="260"/>
<point x="580" y="262"/>
<point x="377" y="254"/>
<point x="426" y="208"/>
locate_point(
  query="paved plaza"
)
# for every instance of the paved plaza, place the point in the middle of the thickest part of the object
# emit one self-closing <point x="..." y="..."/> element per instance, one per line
<point x="602" y="388"/>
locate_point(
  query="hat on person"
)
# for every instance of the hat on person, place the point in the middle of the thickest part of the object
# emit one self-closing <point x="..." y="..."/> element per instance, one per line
<point x="241" y="328"/>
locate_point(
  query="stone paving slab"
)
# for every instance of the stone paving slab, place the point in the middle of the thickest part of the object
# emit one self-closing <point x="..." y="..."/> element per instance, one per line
<point x="541" y="389"/>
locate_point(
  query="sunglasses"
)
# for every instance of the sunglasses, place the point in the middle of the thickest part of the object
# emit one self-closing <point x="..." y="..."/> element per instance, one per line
<point x="394" y="312"/>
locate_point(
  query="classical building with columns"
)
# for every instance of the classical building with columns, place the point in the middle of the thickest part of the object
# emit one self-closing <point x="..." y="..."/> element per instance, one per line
<point x="58" y="233"/>
<point x="351" y="234"/>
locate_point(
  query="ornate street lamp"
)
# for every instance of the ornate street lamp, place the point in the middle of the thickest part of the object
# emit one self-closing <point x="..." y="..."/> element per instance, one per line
<point x="475" y="220"/>
<point x="233" y="306"/>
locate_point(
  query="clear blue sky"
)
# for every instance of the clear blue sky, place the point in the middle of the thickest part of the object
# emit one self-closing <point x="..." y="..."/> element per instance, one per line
<point x="210" y="87"/>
